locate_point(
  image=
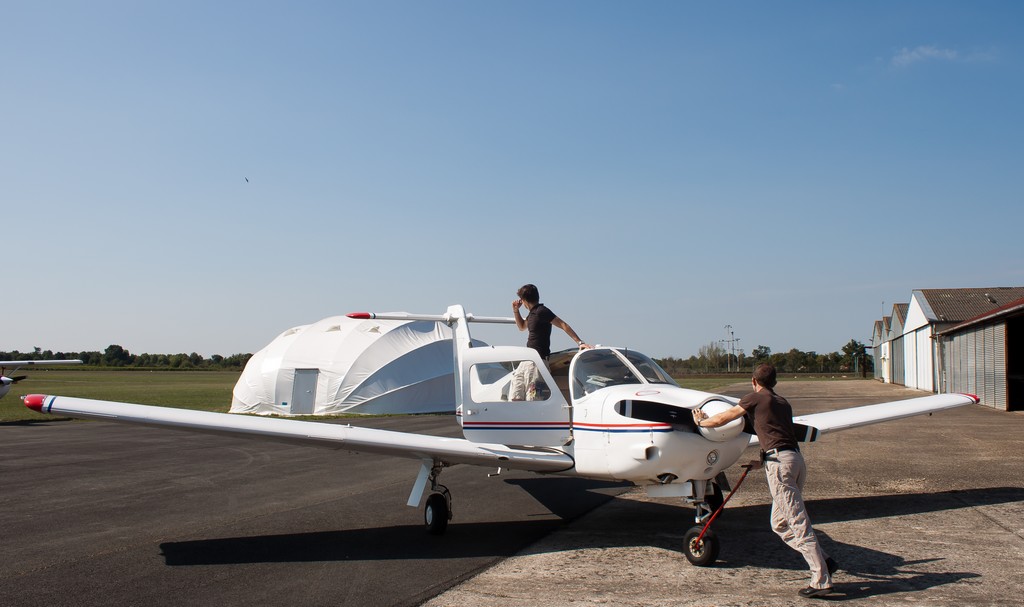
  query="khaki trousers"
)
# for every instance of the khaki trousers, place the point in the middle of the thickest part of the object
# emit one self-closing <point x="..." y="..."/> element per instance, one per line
<point x="524" y="382"/>
<point x="786" y="472"/>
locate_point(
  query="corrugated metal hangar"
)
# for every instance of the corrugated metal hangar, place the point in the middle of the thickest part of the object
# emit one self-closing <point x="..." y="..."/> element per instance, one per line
<point x="956" y="340"/>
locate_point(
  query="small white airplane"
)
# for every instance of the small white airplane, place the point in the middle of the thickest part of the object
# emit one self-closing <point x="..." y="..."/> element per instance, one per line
<point x="7" y="382"/>
<point x="604" y="413"/>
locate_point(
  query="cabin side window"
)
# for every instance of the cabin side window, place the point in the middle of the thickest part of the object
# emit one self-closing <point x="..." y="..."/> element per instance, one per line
<point x="507" y="381"/>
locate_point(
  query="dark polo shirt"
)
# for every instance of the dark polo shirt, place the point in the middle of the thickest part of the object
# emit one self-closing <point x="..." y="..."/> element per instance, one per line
<point x="773" y="419"/>
<point x="538" y="321"/>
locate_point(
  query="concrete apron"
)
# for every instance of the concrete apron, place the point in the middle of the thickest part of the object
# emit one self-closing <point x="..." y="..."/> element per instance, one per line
<point x="927" y="510"/>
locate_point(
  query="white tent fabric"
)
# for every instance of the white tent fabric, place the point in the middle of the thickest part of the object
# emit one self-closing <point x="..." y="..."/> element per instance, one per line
<point x="344" y="365"/>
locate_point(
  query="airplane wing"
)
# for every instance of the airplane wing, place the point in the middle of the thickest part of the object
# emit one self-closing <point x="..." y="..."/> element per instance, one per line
<point x="37" y="363"/>
<point x="810" y="427"/>
<point x="317" y="434"/>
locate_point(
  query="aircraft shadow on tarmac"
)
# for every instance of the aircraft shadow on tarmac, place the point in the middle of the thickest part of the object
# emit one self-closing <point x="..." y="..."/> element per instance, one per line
<point x="746" y="538"/>
<point x="565" y="498"/>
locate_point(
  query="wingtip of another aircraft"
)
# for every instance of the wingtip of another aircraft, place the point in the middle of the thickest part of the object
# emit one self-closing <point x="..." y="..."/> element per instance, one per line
<point x="973" y="397"/>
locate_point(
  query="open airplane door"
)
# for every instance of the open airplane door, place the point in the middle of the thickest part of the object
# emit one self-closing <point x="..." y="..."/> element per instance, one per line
<point x="509" y="397"/>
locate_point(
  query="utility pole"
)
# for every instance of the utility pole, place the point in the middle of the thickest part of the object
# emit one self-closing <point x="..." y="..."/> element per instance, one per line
<point x="731" y="348"/>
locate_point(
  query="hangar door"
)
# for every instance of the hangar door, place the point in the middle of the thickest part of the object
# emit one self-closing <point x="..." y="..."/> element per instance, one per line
<point x="304" y="391"/>
<point x="899" y="376"/>
<point x="976" y="364"/>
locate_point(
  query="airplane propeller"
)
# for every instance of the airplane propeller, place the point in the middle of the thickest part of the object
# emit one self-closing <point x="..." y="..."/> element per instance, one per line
<point x="15" y="365"/>
<point x="7" y="381"/>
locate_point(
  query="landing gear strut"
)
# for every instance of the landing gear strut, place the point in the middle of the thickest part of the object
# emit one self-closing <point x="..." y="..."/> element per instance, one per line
<point x="700" y="544"/>
<point x="438" y="510"/>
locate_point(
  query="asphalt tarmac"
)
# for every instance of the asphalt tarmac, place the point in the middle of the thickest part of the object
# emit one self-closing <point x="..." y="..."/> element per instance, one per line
<point x="95" y="513"/>
<point x="921" y="511"/>
<point x="928" y="510"/>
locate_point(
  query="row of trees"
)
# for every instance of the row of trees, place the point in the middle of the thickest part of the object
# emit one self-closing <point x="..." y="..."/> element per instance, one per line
<point x="116" y="356"/>
<point x="713" y="358"/>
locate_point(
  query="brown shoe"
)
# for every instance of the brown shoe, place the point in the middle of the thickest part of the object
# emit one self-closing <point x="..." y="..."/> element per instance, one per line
<point x="812" y="593"/>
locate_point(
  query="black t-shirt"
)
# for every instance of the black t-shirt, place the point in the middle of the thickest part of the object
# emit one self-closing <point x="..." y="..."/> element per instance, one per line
<point x="773" y="419"/>
<point x="538" y="321"/>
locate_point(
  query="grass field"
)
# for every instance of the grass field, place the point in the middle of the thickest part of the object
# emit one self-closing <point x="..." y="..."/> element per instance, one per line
<point x="204" y="390"/>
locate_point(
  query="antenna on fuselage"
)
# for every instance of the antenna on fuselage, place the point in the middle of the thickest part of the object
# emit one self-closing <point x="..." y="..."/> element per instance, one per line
<point x="447" y="318"/>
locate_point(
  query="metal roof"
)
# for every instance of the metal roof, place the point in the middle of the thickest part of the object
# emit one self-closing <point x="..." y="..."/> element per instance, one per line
<point x="900" y="312"/>
<point x="959" y="305"/>
<point x="878" y="335"/>
<point x="1011" y="309"/>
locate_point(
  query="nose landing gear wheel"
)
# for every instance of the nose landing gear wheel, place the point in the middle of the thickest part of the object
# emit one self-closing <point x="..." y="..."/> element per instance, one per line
<point x="436" y="514"/>
<point x="701" y="552"/>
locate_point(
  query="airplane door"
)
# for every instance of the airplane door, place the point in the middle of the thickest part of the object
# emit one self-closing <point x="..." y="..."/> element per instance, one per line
<point x="509" y="397"/>
<point x="304" y="391"/>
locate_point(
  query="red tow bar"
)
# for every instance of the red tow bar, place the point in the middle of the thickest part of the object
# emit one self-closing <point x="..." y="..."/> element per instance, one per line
<point x="700" y="537"/>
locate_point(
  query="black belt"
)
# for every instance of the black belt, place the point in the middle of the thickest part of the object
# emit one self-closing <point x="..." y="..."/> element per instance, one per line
<point x="770" y="452"/>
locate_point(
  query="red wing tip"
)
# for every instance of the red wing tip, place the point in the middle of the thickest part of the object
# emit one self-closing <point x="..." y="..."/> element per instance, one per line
<point x="34" y="401"/>
<point x="360" y="315"/>
<point x="973" y="397"/>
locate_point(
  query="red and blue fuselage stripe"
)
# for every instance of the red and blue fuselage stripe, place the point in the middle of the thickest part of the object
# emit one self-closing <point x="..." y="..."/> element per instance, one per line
<point x="616" y="428"/>
<point x="620" y="428"/>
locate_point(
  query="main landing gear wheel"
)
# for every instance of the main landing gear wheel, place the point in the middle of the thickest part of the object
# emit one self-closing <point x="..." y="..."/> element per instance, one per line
<point x="702" y="552"/>
<point x="436" y="513"/>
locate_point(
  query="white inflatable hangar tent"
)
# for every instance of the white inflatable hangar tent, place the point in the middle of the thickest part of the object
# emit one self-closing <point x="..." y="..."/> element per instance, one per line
<point x="344" y="365"/>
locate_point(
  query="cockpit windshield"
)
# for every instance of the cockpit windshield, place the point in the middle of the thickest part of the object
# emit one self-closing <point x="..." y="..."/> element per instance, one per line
<point x="600" y="368"/>
<point x="651" y="371"/>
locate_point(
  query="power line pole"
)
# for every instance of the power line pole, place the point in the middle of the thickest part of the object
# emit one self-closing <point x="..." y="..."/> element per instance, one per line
<point x="732" y="348"/>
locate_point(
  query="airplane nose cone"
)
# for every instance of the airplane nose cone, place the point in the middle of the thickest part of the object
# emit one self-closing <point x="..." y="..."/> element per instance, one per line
<point x="34" y="402"/>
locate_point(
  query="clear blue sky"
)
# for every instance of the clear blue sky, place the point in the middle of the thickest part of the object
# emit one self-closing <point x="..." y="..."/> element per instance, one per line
<point x="658" y="169"/>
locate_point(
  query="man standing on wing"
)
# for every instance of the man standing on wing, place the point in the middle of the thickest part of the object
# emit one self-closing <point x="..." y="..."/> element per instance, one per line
<point x="539" y="321"/>
<point x="784" y="466"/>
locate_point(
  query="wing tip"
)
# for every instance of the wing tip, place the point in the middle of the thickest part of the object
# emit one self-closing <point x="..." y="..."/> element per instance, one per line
<point x="34" y="402"/>
<point x="973" y="397"/>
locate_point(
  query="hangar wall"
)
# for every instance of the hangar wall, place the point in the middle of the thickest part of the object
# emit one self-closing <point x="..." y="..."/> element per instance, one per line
<point x="957" y="340"/>
<point x="1015" y="364"/>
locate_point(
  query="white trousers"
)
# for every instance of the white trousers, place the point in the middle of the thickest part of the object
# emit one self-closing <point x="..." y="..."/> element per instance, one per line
<point x="786" y="472"/>
<point x="524" y="381"/>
